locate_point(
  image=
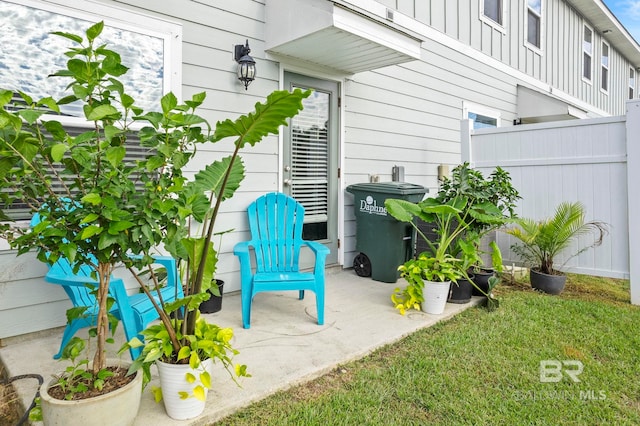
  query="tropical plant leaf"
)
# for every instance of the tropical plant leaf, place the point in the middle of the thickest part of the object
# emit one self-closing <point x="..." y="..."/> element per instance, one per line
<point x="265" y="120"/>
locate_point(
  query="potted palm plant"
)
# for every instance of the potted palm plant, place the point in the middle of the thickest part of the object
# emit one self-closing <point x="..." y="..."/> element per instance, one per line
<point x="542" y="241"/>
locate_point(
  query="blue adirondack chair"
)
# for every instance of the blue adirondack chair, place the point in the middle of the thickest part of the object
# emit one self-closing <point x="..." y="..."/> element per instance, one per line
<point x="135" y="311"/>
<point x="275" y="221"/>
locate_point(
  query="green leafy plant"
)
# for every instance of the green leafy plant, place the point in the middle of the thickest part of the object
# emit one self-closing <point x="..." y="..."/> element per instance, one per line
<point x="122" y="211"/>
<point x="450" y="219"/>
<point x="541" y="241"/>
<point x="496" y="190"/>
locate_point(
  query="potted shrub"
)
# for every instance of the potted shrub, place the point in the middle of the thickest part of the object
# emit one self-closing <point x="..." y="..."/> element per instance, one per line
<point x="540" y="242"/>
<point x="122" y="210"/>
<point x="495" y="189"/>
<point x="435" y="268"/>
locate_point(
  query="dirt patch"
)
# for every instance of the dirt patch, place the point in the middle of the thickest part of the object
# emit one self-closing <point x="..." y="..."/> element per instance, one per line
<point x="118" y="380"/>
<point x="10" y="410"/>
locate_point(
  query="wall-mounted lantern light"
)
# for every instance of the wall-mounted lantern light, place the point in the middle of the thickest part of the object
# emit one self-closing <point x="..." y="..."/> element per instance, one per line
<point x="246" y="64"/>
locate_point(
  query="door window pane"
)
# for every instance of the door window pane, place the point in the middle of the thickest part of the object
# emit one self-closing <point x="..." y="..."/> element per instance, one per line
<point x="309" y="163"/>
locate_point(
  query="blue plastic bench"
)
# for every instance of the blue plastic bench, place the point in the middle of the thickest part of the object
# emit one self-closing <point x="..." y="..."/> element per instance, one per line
<point x="275" y="221"/>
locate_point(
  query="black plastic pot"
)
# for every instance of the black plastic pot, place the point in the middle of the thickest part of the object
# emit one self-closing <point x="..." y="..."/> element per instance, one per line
<point x="214" y="304"/>
<point x="481" y="279"/>
<point x="461" y="292"/>
<point x="551" y="284"/>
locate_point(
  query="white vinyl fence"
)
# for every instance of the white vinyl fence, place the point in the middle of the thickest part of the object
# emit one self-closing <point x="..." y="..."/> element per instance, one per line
<point x="594" y="161"/>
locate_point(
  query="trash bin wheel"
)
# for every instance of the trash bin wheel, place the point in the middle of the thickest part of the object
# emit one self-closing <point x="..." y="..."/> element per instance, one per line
<point x="362" y="265"/>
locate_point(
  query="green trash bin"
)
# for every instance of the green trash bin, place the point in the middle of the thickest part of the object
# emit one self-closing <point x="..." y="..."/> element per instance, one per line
<point x="384" y="243"/>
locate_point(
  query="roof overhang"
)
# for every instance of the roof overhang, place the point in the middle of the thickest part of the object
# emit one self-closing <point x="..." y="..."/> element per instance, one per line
<point x="537" y="107"/>
<point x="335" y="36"/>
<point x="605" y="23"/>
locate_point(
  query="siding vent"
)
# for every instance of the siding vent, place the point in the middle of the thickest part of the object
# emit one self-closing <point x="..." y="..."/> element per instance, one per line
<point x="390" y="15"/>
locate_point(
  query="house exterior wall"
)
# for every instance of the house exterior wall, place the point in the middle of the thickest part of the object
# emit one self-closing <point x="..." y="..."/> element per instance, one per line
<point x="407" y="115"/>
<point x="559" y="61"/>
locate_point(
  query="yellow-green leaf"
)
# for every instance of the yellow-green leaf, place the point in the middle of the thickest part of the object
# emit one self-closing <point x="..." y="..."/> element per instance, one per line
<point x="190" y="378"/>
<point x="194" y="361"/>
<point x="198" y="392"/>
<point x="184" y="352"/>
<point x="183" y="395"/>
<point x="157" y="393"/>
<point x="205" y="378"/>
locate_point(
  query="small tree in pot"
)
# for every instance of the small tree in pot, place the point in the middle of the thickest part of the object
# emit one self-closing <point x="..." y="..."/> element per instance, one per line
<point x="98" y="210"/>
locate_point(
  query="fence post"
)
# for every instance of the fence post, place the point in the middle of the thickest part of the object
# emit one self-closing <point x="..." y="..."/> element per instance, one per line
<point x="465" y="141"/>
<point x="633" y="177"/>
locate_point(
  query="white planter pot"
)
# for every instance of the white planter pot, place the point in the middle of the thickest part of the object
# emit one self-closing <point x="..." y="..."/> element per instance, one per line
<point x="435" y="296"/>
<point x="173" y="381"/>
<point x="119" y="407"/>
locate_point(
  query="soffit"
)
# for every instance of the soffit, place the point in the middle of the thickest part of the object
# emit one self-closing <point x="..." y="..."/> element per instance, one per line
<point x="536" y="107"/>
<point x="333" y="36"/>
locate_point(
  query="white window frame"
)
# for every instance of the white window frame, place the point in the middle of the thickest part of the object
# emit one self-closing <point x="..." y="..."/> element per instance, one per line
<point x="118" y="17"/>
<point x="633" y="78"/>
<point x="487" y="20"/>
<point x="586" y="27"/>
<point x="605" y="67"/>
<point x="121" y="18"/>
<point x="540" y="16"/>
<point x="472" y="108"/>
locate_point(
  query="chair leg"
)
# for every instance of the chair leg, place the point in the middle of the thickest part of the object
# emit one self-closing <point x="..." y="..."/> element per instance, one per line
<point x="69" y="331"/>
<point x="320" y="305"/>
<point x="301" y="295"/>
<point x="246" y="295"/>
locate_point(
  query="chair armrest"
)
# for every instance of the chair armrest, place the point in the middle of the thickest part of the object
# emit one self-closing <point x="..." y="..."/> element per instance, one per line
<point x="321" y="253"/>
<point x="241" y="250"/>
<point x="317" y="248"/>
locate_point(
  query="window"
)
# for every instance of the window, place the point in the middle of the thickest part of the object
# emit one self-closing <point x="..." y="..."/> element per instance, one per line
<point x="632" y="82"/>
<point x="492" y="9"/>
<point x="150" y="47"/>
<point x="604" y="68"/>
<point x="534" y="23"/>
<point x="481" y="116"/>
<point x="587" y="53"/>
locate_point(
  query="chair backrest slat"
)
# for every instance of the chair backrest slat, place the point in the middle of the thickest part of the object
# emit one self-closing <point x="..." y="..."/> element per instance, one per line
<point x="276" y="221"/>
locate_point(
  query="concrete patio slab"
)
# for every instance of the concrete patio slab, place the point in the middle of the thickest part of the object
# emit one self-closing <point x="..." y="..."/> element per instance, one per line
<point x="284" y="346"/>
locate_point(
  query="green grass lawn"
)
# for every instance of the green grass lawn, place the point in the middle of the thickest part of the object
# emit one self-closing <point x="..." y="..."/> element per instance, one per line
<point x="484" y="368"/>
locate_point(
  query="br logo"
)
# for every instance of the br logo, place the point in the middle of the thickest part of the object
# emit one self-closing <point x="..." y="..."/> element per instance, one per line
<point x="553" y="370"/>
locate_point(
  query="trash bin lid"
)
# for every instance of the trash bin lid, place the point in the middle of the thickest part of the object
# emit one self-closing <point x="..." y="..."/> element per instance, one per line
<point x="393" y="188"/>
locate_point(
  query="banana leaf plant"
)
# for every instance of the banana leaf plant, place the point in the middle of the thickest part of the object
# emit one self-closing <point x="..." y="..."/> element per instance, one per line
<point x="451" y="220"/>
<point x="125" y="209"/>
